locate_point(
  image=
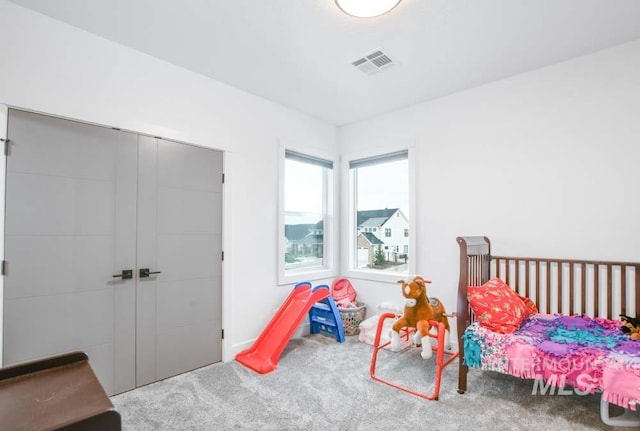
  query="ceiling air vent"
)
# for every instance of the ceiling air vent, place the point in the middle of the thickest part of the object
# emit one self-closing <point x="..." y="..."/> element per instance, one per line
<point x="373" y="63"/>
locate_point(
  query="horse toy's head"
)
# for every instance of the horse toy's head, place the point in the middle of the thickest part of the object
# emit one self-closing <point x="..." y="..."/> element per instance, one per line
<point x="414" y="290"/>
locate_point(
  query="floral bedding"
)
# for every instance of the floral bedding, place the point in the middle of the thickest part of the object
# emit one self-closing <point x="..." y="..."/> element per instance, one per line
<point x="586" y="354"/>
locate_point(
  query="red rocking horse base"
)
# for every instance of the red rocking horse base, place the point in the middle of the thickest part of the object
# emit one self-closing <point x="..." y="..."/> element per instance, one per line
<point x="440" y="356"/>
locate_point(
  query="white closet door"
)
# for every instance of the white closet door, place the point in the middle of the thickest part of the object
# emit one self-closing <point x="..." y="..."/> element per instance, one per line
<point x="67" y="184"/>
<point x="179" y="239"/>
<point x="85" y="203"/>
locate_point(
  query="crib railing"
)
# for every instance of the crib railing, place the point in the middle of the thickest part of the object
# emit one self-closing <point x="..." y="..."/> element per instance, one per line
<point x="569" y="286"/>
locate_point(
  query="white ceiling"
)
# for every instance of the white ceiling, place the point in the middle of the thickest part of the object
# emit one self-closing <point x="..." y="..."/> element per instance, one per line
<point x="299" y="52"/>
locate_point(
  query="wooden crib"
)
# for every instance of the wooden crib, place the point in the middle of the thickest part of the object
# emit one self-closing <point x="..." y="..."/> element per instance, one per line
<point x="570" y="287"/>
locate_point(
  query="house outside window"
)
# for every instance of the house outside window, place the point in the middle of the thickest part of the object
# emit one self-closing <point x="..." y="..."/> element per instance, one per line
<point x="306" y="217"/>
<point x="379" y="202"/>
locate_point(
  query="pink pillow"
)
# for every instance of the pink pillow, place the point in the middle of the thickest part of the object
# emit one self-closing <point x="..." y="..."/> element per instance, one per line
<point x="496" y="306"/>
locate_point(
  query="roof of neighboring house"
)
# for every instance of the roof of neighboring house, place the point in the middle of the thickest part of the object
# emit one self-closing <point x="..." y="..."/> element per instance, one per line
<point x="375" y="214"/>
<point x="374" y="240"/>
<point x="374" y="222"/>
<point x="296" y="232"/>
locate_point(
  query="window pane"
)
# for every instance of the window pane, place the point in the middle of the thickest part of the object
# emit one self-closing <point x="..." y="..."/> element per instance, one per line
<point x="307" y="190"/>
<point x="382" y="219"/>
<point x="304" y="241"/>
<point x="303" y="187"/>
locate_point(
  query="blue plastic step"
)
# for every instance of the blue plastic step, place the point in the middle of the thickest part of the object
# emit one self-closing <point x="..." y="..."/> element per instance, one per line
<point x="324" y="317"/>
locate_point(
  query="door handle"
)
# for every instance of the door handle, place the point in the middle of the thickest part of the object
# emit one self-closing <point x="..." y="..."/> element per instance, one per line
<point x="125" y="275"/>
<point x="144" y="272"/>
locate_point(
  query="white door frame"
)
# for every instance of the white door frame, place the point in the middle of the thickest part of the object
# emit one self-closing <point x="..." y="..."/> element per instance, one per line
<point x="4" y="117"/>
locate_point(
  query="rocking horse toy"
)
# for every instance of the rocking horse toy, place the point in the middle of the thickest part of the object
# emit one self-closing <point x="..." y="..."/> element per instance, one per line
<point x="420" y="314"/>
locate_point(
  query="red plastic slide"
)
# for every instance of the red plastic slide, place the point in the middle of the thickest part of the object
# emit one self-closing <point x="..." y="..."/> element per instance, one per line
<point x="263" y="356"/>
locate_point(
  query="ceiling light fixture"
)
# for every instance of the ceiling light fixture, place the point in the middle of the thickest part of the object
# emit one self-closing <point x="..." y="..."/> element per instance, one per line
<point x="366" y="8"/>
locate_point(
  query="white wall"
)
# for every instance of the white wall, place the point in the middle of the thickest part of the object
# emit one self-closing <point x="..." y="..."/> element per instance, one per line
<point x="54" y="68"/>
<point x="545" y="164"/>
<point x="525" y="161"/>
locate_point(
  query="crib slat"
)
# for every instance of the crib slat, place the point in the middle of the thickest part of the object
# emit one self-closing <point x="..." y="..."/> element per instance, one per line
<point x="486" y="267"/>
<point x="518" y="276"/>
<point x="637" y="289"/>
<point x="548" y="265"/>
<point x="583" y="288"/>
<point x="596" y="291"/>
<point x="474" y="270"/>
<point x="623" y="290"/>
<point x="609" y="297"/>
<point x="472" y="273"/>
<point x="571" y="290"/>
<point x="538" y="284"/>
<point x="560" y="288"/>
<point x="526" y="279"/>
<point x="506" y="272"/>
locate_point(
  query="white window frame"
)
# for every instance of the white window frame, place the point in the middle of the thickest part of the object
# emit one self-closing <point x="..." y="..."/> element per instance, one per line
<point x="348" y="218"/>
<point x="330" y="235"/>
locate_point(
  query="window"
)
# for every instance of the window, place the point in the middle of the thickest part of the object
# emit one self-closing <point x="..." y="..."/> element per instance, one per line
<point x="306" y="220"/>
<point x="379" y="195"/>
<point x="406" y="233"/>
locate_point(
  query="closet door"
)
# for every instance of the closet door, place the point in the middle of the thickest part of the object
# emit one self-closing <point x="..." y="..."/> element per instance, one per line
<point x="113" y="244"/>
<point x="179" y="244"/>
<point x="70" y="226"/>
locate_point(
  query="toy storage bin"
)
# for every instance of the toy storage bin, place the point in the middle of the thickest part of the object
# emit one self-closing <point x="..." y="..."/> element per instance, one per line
<point x="351" y="318"/>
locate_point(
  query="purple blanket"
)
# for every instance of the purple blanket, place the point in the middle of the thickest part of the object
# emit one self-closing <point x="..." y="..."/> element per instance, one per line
<point x="559" y="351"/>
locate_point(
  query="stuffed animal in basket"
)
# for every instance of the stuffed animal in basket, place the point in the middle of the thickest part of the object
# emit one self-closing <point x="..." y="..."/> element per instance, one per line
<point x="630" y="326"/>
<point x="418" y="311"/>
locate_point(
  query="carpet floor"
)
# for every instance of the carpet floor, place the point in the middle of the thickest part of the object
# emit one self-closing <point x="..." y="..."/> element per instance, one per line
<point x="323" y="385"/>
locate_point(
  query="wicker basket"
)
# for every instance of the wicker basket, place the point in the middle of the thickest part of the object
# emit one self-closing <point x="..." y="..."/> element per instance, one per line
<point x="351" y="318"/>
